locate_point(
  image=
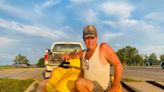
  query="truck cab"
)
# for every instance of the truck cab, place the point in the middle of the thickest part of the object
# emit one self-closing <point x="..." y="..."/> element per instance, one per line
<point x="52" y="56"/>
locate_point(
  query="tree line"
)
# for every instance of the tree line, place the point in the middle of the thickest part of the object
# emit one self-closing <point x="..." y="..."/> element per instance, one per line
<point x="128" y="55"/>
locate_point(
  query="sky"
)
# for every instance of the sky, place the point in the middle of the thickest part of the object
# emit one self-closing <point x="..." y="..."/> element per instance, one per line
<point x="28" y="27"/>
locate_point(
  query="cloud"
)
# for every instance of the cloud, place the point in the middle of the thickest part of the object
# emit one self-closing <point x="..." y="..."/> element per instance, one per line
<point x="155" y="16"/>
<point x="88" y="16"/>
<point x="143" y="34"/>
<point x="48" y="3"/>
<point x="123" y="23"/>
<point x="33" y="30"/>
<point x="4" y="55"/>
<point x="6" y="42"/>
<point x="111" y="36"/>
<point x="121" y="10"/>
<point x="84" y="11"/>
<point x="17" y="11"/>
<point x="148" y="49"/>
<point x="6" y="58"/>
<point x="79" y="2"/>
<point x="133" y="25"/>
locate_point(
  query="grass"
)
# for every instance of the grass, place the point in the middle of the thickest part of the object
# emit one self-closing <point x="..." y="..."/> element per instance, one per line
<point x="14" y="85"/>
<point x="7" y="67"/>
<point x="131" y="80"/>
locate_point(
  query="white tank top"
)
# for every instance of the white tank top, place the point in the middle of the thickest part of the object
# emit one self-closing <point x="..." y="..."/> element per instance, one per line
<point x="94" y="70"/>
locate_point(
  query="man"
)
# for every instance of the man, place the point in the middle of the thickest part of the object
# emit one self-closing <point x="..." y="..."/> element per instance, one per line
<point x="96" y="60"/>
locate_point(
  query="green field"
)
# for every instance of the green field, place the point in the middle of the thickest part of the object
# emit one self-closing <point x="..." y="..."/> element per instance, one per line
<point x="14" y="85"/>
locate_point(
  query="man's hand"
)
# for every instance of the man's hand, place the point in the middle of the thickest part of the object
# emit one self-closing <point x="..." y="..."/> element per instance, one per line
<point x="65" y="57"/>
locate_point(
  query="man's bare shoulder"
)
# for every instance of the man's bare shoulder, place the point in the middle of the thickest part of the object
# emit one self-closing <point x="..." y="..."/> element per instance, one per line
<point x="104" y="46"/>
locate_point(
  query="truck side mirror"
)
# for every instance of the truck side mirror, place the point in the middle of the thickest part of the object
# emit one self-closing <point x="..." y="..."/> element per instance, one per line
<point x="48" y="51"/>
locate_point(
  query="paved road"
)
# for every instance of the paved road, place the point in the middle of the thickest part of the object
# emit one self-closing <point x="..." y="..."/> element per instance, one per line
<point x="140" y="73"/>
<point x="23" y="73"/>
<point x="143" y="73"/>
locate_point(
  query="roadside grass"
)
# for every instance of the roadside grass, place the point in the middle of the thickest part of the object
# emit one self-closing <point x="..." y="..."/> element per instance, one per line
<point x="14" y="85"/>
<point x="7" y="67"/>
<point x="131" y="80"/>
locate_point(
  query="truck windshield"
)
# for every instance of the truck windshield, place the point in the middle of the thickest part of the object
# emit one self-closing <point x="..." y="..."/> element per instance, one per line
<point x="66" y="48"/>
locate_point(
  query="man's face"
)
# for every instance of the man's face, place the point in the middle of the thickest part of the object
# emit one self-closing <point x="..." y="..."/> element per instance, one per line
<point x="90" y="42"/>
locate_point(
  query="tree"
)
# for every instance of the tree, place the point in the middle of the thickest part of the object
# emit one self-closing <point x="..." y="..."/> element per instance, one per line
<point x="146" y="61"/>
<point x="121" y="53"/>
<point x="153" y="59"/>
<point x="40" y="62"/>
<point x="129" y="55"/>
<point x="138" y="60"/>
<point x="162" y="57"/>
<point x="20" y="59"/>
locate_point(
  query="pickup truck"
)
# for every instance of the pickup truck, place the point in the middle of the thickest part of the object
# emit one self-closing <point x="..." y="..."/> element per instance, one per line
<point x="52" y="57"/>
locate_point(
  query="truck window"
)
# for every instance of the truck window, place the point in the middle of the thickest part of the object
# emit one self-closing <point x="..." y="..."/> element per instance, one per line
<point x="66" y="48"/>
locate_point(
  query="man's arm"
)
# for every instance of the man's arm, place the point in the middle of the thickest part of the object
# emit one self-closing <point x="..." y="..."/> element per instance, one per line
<point x="77" y="55"/>
<point x="112" y="58"/>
